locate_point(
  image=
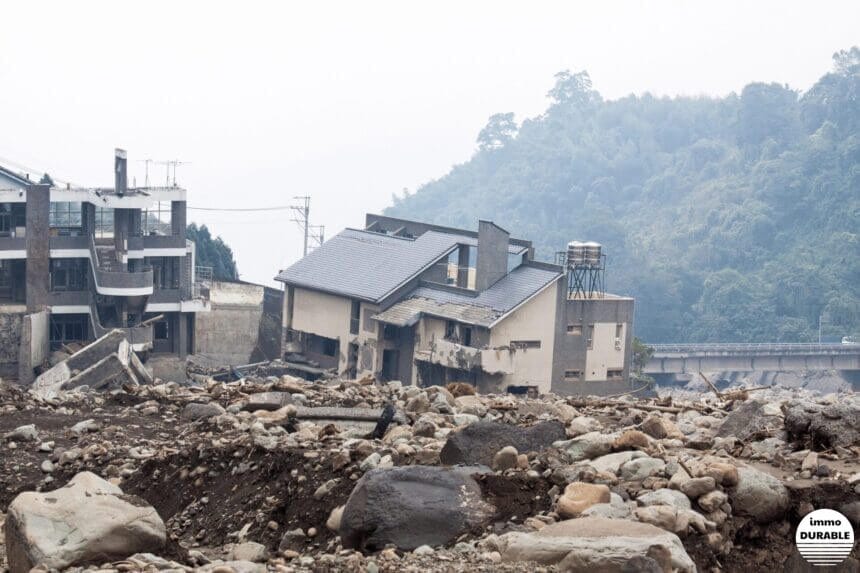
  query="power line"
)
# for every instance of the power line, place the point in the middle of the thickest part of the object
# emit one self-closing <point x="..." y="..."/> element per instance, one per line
<point x="231" y="209"/>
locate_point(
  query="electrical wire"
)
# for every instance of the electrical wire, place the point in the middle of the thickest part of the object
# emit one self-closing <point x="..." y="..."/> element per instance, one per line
<point x="230" y="209"/>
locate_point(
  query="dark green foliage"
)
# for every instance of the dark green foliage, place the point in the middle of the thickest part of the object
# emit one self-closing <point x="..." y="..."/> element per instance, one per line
<point x="729" y="219"/>
<point x="213" y="253"/>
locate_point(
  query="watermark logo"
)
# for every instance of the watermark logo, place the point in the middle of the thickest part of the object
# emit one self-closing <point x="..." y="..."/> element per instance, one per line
<point x="824" y="537"/>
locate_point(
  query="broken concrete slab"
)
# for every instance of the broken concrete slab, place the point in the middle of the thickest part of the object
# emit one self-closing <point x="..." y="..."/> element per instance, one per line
<point x="107" y="361"/>
<point x="270" y="401"/>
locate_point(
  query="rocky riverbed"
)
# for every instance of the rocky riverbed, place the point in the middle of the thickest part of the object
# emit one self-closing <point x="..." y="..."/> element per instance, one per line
<point x="282" y="474"/>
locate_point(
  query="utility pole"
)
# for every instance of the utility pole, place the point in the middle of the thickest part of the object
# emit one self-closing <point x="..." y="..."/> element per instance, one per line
<point x="302" y="217"/>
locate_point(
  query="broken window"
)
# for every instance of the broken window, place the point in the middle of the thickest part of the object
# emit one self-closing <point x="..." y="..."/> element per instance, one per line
<point x="590" y="341"/>
<point x="67" y="328"/>
<point x="389" y="332"/>
<point x="161" y="330"/>
<point x="523" y="344"/>
<point x="575" y="329"/>
<point x="355" y="317"/>
<point x="69" y="274"/>
<point x="465" y="336"/>
<point x="614" y="374"/>
<point x="573" y="375"/>
<point x="329" y="347"/>
<point x="458" y="333"/>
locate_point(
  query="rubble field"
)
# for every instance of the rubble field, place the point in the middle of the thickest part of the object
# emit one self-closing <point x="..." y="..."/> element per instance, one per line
<point x="279" y="473"/>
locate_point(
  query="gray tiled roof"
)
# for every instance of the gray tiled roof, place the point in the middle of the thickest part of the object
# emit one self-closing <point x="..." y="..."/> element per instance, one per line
<point x="367" y="265"/>
<point x="483" y="309"/>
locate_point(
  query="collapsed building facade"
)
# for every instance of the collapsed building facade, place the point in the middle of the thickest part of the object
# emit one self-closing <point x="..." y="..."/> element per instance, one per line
<point x="76" y="263"/>
<point x="427" y="304"/>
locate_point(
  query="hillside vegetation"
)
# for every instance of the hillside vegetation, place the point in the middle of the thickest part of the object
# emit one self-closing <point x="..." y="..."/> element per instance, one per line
<point x="729" y="219"/>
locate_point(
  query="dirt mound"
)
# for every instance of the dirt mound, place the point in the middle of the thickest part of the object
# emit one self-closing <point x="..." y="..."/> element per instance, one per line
<point x="209" y="497"/>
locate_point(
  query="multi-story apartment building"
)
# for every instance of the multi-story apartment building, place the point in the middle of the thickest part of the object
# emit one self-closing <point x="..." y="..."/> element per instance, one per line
<point x="96" y="259"/>
<point x="427" y="304"/>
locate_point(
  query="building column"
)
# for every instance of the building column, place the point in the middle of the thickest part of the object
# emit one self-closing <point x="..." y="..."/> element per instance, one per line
<point x="181" y="335"/>
<point x="38" y="244"/>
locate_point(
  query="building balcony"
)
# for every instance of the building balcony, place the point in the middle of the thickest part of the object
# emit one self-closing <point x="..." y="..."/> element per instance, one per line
<point x="13" y="248"/>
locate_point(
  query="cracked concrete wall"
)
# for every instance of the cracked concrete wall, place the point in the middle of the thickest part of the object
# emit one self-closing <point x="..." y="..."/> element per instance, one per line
<point x="230" y="330"/>
<point x="10" y="342"/>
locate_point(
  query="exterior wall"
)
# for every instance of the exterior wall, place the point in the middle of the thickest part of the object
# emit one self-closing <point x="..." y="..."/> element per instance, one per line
<point x="321" y="314"/>
<point x="531" y="322"/>
<point x="329" y="316"/>
<point x="230" y="330"/>
<point x="606" y="354"/>
<point x="35" y="344"/>
<point x="572" y="352"/>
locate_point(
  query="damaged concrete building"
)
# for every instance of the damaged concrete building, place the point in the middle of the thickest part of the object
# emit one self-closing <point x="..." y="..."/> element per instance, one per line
<point x="76" y="263"/>
<point x="427" y="304"/>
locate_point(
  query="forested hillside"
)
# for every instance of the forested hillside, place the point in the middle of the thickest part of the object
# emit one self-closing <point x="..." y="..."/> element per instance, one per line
<point x="729" y="219"/>
<point x="213" y="253"/>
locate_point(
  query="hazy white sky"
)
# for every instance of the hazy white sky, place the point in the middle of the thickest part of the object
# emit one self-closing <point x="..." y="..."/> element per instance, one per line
<point x="352" y="101"/>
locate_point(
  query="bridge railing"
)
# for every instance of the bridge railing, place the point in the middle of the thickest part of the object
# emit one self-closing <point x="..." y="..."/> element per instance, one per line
<point x="756" y="347"/>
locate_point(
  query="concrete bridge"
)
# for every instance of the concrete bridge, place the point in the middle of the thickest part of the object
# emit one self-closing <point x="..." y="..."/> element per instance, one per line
<point x="692" y="358"/>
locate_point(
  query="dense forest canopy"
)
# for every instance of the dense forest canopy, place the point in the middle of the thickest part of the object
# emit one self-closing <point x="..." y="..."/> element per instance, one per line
<point x="213" y="253"/>
<point x="729" y="219"/>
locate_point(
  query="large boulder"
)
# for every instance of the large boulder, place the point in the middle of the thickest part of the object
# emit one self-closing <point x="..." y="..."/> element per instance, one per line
<point x="823" y="426"/>
<point x="750" y="422"/>
<point x="477" y="443"/>
<point x="412" y="506"/>
<point x="759" y="495"/>
<point x="587" y="446"/>
<point x="590" y="544"/>
<point x="87" y="521"/>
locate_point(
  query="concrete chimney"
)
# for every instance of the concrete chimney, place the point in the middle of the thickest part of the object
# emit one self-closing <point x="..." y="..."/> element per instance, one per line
<point x="120" y="164"/>
<point x="492" y="263"/>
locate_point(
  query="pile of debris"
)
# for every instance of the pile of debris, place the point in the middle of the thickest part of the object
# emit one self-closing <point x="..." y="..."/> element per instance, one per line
<point x="282" y="474"/>
<point x="108" y="361"/>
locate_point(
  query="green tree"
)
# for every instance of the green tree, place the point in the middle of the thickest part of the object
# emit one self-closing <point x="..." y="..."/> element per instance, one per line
<point x="213" y="253"/>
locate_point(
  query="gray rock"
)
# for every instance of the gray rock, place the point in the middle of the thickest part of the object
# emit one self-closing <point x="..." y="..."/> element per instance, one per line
<point x="749" y="422"/>
<point x="196" y="411"/>
<point x="479" y="442"/>
<point x="640" y="468"/>
<point x="270" y="401"/>
<point x="249" y="551"/>
<point x="697" y="487"/>
<point x="506" y="458"/>
<point x="26" y="433"/>
<point x="411" y="506"/>
<point x="823" y="426"/>
<point x="85" y="426"/>
<point x="86" y="521"/>
<point x="587" y="446"/>
<point x="759" y="495"/>
<point x="424" y="427"/>
<point x="465" y="419"/>
<point x="594" y="544"/>
<point x="234" y="566"/>
<point x="665" y="496"/>
<point x="612" y="462"/>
